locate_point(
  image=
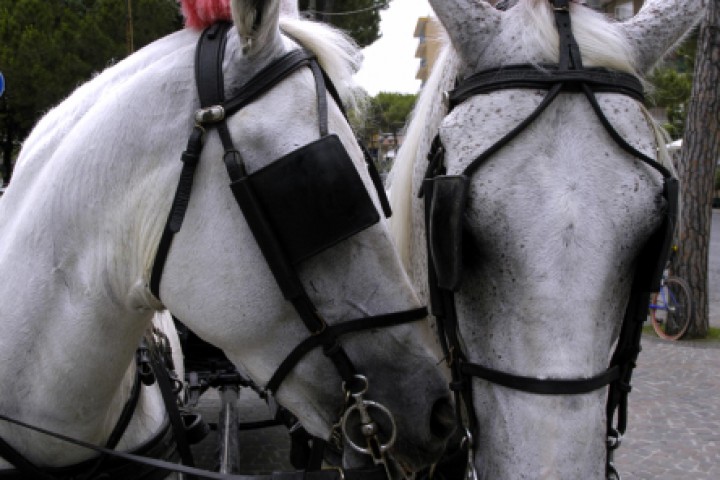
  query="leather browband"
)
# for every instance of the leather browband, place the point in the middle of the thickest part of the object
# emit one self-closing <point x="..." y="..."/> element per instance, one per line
<point x="600" y="80"/>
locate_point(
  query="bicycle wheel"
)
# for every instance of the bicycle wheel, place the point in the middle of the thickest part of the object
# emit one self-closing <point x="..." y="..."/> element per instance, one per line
<point x="671" y="309"/>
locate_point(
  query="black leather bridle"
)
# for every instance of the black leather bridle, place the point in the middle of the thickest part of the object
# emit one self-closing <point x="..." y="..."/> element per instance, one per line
<point x="263" y="217"/>
<point x="445" y="204"/>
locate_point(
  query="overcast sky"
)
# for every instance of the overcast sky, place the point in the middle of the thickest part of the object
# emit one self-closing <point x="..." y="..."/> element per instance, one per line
<point x="390" y="64"/>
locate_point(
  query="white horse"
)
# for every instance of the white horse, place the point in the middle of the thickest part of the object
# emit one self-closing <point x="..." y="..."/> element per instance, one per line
<point x="554" y="223"/>
<point x="80" y="226"/>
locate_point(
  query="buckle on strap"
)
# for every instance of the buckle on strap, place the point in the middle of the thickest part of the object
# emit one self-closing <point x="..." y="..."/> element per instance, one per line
<point x="212" y="114"/>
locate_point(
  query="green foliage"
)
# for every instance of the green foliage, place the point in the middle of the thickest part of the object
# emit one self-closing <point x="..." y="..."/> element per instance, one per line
<point x="390" y="110"/>
<point x="362" y="21"/>
<point x="49" y="47"/>
<point x="385" y="116"/>
<point x="673" y="86"/>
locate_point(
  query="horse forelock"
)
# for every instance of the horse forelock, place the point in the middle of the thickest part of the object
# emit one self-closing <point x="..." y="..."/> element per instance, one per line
<point x="529" y="30"/>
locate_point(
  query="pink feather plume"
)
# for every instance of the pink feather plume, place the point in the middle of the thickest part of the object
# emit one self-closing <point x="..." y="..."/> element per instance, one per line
<point x="202" y="13"/>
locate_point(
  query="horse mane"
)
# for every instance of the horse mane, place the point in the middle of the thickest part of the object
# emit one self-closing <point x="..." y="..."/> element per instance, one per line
<point x="337" y="53"/>
<point x="531" y="25"/>
<point x="424" y="122"/>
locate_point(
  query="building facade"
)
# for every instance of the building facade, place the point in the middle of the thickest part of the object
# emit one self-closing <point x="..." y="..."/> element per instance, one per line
<point x="429" y="34"/>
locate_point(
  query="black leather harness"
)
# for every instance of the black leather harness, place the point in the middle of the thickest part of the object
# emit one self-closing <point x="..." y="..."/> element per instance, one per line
<point x="296" y="207"/>
<point x="263" y="195"/>
<point x="315" y="184"/>
<point x="167" y="445"/>
<point x="445" y="204"/>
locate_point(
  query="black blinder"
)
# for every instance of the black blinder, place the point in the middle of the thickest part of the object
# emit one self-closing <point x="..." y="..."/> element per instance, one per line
<point x="656" y="252"/>
<point x="313" y="198"/>
<point x="447" y="197"/>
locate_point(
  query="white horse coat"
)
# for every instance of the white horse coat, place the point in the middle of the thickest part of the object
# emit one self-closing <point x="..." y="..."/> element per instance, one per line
<point x="81" y="222"/>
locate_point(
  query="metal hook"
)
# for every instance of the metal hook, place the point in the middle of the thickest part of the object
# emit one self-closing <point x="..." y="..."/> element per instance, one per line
<point x="368" y="427"/>
<point x="470" y="470"/>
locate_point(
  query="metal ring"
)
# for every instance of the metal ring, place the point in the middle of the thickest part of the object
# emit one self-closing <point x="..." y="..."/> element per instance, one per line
<point x="369" y="404"/>
<point x="340" y="471"/>
<point x="363" y="390"/>
<point x="614" y="439"/>
<point x="467" y="439"/>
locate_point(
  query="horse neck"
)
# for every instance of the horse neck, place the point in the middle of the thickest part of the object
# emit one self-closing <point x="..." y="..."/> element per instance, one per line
<point x="81" y="224"/>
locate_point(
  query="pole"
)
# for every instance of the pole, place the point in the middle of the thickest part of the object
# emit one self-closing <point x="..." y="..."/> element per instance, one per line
<point x="129" y="30"/>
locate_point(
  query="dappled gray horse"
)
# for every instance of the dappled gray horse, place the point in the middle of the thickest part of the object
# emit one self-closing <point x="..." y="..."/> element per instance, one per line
<point x="554" y="188"/>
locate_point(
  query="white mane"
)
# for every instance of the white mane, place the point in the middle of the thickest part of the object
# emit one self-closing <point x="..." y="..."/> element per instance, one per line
<point x="337" y="53"/>
<point x="426" y="117"/>
<point x="530" y="25"/>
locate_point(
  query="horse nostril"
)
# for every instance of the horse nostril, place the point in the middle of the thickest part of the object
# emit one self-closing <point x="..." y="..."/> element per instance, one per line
<point x="442" y="419"/>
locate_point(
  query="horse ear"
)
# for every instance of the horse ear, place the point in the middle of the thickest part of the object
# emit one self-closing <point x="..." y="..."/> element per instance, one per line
<point x="659" y="26"/>
<point x="470" y="24"/>
<point x="257" y="22"/>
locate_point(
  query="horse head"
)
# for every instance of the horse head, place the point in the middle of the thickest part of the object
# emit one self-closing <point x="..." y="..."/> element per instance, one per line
<point x="84" y="239"/>
<point x="558" y="213"/>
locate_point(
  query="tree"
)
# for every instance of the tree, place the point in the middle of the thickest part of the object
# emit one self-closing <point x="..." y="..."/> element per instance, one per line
<point x="672" y="84"/>
<point x="386" y="114"/>
<point x="701" y="149"/>
<point x="359" y="18"/>
<point x="49" y="47"/>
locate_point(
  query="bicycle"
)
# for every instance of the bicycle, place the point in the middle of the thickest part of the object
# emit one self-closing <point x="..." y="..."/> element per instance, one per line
<point x="671" y="308"/>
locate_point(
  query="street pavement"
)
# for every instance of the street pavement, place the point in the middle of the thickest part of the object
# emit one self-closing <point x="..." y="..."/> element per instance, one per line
<point x="673" y="428"/>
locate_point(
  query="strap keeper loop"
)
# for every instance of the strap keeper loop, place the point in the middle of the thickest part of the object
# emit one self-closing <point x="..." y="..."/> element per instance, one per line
<point x="189" y="158"/>
<point x="458" y="385"/>
<point x="331" y="349"/>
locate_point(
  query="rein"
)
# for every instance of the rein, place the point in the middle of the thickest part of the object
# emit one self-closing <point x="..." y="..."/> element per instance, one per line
<point x="445" y="203"/>
<point x="168" y="443"/>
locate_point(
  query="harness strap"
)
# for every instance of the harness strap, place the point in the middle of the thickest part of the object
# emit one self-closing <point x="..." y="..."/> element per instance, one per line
<point x="600" y="80"/>
<point x="332" y="332"/>
<point x="190" y="158"/>
<point x="546" y="101"/>
<point x="570" y="57"/>
<point x="21" y="463"/>
<point x="125" y="416"/>
<point x="171" y="405"/>
<point x="242" y="189"/>
<point x="24" y="465"/>
<point x="442" y="303"/>
<point x="373" y="473"/>
<point x="542" y="386"/>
